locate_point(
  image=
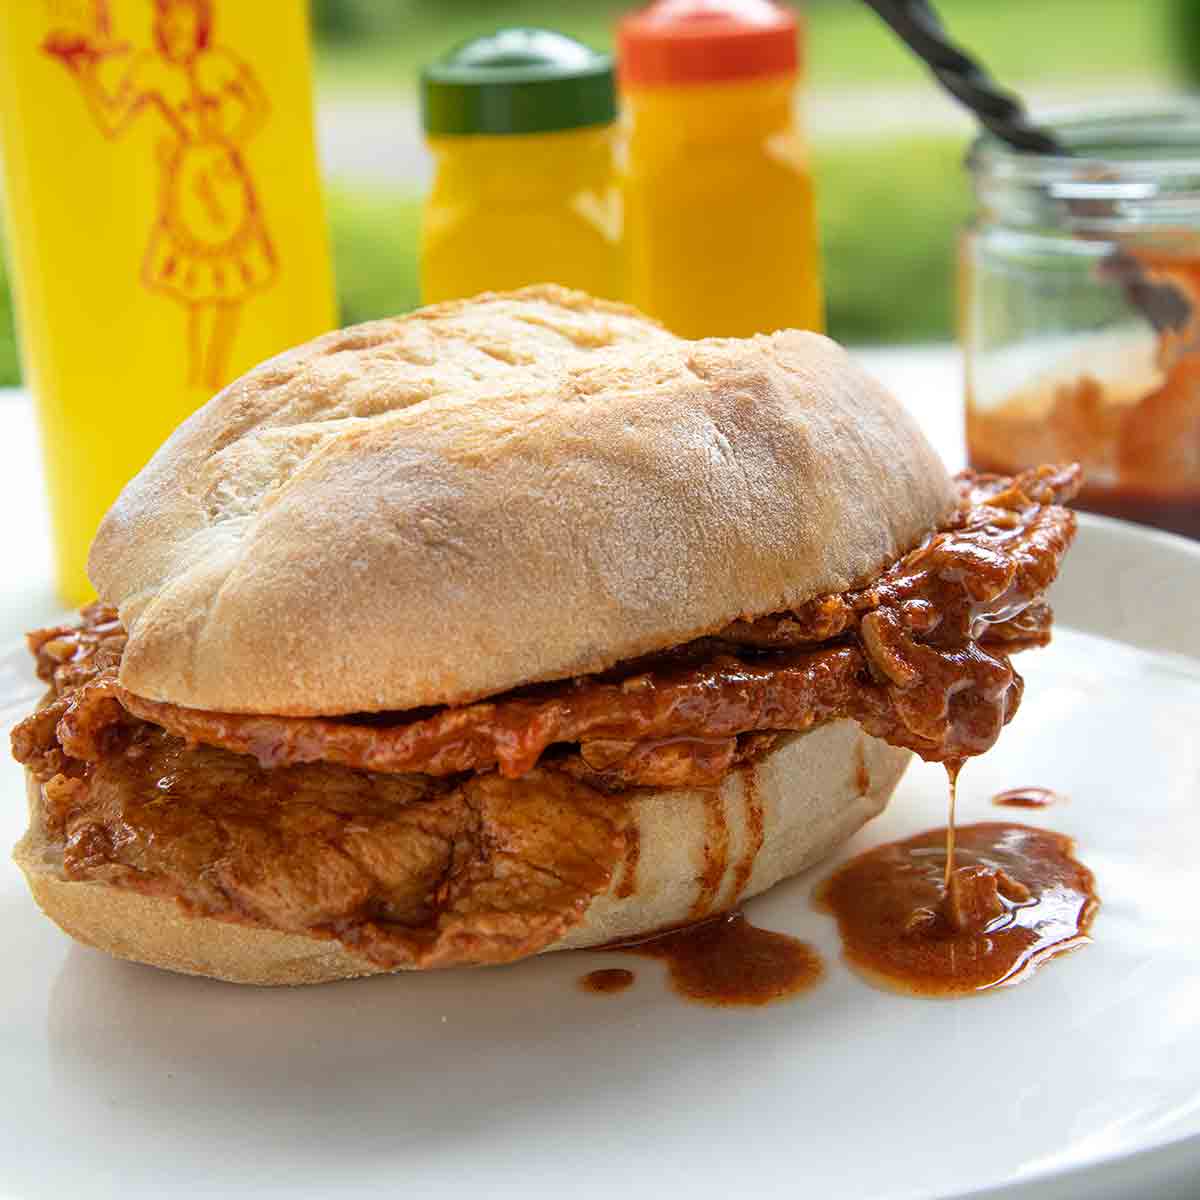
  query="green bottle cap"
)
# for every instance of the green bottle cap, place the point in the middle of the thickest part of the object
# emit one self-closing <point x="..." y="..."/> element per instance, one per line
<point x="518" y="81"/>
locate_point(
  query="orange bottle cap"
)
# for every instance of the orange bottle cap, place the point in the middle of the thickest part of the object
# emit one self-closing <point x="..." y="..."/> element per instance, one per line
<point x="703" y="41"/>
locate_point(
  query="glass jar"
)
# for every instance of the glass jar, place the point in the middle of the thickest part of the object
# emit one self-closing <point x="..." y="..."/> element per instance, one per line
<point x="1080" y="310"/>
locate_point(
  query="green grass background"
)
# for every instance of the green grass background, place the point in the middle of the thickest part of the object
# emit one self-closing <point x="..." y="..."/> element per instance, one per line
<point x="382" y="43"/>
<point x="890" y="210"/>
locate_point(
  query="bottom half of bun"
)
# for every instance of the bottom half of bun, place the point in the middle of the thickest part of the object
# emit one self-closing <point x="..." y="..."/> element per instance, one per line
<point x="689" y="854"/>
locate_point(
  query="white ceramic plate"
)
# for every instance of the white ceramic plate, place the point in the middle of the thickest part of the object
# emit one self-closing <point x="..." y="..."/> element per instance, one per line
<point x="123" y="1081"/>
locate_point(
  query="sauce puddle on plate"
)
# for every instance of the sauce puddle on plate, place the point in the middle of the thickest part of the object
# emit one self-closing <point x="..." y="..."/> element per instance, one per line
<point x="948" y="912"/>
<point x="912" y="918"/>
<point x="1027" y="797"/>
<point x="606" y="982"/>
<point x="730" y="963"/>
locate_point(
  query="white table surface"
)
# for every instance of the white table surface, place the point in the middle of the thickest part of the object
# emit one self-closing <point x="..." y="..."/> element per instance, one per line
<point x="928" y="379"/>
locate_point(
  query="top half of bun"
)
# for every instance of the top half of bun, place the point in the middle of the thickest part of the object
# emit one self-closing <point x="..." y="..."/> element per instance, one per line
<point x="487" y="493"/>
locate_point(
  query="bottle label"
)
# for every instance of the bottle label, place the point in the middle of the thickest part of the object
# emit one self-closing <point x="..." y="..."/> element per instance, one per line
<point x="208" y="249"/>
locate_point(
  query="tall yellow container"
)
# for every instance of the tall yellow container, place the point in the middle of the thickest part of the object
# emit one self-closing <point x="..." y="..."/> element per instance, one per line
<point x="521" y="127"/>
<point x="164" y="219"/>
<point x="720" y="217"/>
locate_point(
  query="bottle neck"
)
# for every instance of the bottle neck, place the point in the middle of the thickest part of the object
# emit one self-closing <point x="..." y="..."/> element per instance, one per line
<point x="713" y="111"/>
<point x="487" y="162"/>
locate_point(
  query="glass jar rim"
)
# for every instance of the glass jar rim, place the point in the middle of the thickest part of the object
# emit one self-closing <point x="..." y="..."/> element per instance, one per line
<point x="1112" y="147"/>
<point x="1132" y="169"/>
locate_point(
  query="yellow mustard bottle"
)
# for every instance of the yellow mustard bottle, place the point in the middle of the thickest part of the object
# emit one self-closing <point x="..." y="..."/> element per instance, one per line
<point x="166" y="228"/>
<point x="521" y="125"/>
<point x="720" y="215"/>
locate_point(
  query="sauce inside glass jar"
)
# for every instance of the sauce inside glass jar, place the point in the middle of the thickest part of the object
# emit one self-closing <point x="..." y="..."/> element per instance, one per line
<point x="1081" y="312"/>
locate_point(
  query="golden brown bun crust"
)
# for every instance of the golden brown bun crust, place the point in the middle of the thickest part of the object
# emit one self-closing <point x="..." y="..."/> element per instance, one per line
<point x="812" y="796"/>
<point x="487" y="493"/>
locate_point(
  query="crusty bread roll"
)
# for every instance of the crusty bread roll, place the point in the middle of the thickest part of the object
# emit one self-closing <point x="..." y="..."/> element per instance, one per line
<point x="811" y="793"/>
<point x="494" y="492"/>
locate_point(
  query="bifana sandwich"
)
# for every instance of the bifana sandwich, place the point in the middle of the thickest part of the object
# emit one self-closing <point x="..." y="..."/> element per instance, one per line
<point x="512" y="625"/>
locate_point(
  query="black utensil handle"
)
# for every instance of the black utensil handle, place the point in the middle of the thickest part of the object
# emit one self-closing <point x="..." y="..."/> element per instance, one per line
<point x="999" y="110"/>
<point x="1165" y="305"/>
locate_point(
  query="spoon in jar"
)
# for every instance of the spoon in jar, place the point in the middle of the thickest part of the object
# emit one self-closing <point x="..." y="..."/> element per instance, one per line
<point x="1164" y="305"/>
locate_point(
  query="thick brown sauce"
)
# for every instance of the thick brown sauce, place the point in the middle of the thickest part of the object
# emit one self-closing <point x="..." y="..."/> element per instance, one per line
<point x="716" y="855"/>
<point x="953" y="767"/>
<point x="607" y="982"/>
<point x="754" y="831"/>
<point x="1027" y="797"/>
<point x="1021" y="896"/>
<point x="633" y="853"/>
<point x="730" y="963"/>
<point x="862" y="776"/>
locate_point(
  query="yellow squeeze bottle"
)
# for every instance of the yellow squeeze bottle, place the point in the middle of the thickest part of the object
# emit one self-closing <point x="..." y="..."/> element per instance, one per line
<point x="165" y="223"/>
<point x="521" y="128"/>
<point x="720" y="216"/>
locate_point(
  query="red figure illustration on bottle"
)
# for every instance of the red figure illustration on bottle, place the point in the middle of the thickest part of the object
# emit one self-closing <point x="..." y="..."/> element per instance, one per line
<point x="209" y="249"/>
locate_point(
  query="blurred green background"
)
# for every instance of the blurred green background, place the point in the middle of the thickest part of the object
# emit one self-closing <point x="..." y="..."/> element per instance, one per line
<point x="887" y="146"/>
